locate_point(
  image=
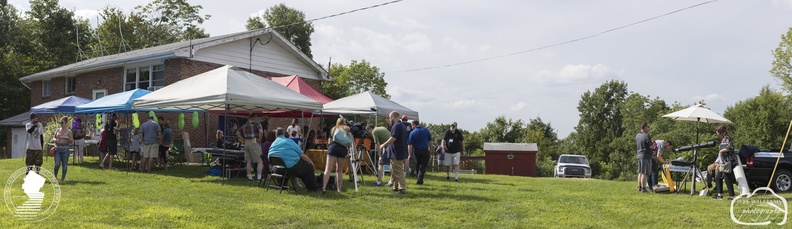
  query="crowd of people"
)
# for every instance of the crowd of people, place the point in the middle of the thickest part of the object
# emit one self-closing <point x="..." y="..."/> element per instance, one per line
<point x="650" y="160"/>
<point x="395" y="144"/>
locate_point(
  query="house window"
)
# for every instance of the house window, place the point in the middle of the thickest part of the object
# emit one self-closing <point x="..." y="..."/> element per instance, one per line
<point x="149" y="77"/>
<point x="71" y="85"/>
<point x="45" y="88"/>
<point x="99" y="93"/>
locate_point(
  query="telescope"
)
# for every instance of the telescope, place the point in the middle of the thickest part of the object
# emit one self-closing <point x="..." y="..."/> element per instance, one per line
<point x="696" y="146"/>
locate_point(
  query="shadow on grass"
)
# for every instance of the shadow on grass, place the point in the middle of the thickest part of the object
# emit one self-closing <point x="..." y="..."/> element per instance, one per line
<point x="80" y="182"/>
<point x="178" y="170"/>
<point x="462" y="179"/>
<point x="420" y="194"/>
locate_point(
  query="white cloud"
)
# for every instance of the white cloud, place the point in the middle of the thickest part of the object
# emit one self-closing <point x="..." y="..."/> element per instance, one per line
<point x="577" y="74"/>
<point x="406" y="23"/>
<point x="257" y="13"/>
<point x="416" y="42"/>
<point x="455" y="45"/>
<point x="519" y="106"/>
<point x="709" y="97"/>
<point x="784" y="3"/>
<point x="87" y="14"/>
<point x="466" y="104"/>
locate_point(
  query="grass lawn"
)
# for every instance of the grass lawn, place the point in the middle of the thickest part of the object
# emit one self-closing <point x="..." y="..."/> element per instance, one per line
<point x="185" y="197"/>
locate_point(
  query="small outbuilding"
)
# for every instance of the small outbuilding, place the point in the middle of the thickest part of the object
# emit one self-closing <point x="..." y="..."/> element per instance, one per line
<point x="515" y="159"/>
<point x="17" y="137"/>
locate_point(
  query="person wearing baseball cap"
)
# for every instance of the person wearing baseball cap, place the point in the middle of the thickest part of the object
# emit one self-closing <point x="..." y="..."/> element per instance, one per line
<point x="453" y="144"/>
<point x="33" y="155"/>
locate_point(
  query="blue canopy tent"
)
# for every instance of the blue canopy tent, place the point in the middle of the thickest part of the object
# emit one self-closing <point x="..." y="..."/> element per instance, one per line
<point x="64" y="105"/>
<point x="119" y="102"/>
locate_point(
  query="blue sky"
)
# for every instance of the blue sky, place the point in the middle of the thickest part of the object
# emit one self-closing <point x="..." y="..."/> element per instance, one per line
<point x="718" y="52"/>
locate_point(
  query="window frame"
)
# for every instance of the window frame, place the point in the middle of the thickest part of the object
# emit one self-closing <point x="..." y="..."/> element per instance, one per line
<point x="95" y="91"/>
<point x="152" y="70"/>
<point x="46" y="88"/>
<point x="73" y="87"/>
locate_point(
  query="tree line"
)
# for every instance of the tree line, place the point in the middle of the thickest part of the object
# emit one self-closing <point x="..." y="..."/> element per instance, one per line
<point x="48" y="36"/>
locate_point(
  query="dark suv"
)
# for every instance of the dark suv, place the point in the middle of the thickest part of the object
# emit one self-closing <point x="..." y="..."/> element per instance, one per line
<point x="759" y="167"/>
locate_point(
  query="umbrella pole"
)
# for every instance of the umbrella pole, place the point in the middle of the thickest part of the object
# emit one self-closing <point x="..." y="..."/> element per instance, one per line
<point x="696" y="170"/>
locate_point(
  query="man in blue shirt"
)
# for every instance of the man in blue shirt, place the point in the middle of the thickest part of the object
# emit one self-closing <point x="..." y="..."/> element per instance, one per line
<point x="152" y="135"/>
<point x="418" y="143"/>
<point x="297" y="163"/>
<point x="399" y="140"/>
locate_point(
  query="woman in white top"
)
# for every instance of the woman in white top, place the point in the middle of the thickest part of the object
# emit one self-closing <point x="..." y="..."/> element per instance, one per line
<point x="294" y="127"/>
<point x="63" y="139"/>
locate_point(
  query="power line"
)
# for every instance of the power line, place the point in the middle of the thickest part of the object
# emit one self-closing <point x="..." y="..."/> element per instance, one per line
<point x="339" y="14"/>
<point x="557" y="44"/>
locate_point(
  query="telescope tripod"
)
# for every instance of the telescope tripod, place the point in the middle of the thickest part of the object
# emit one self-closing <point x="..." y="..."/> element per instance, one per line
<point x="696" y="174"/>
<point x="355" y="158"/>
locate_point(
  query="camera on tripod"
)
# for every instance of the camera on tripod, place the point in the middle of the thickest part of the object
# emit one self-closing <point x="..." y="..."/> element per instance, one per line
<point x="358" y="129"/>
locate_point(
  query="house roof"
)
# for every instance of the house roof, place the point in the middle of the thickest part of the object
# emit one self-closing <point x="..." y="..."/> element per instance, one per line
<point x="17" y="120"/>
<point x="178" y="49"/>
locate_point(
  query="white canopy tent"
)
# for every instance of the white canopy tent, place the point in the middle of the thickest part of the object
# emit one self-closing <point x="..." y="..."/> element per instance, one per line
<point x="225" y="88"/>
<point x="367" y="103"/>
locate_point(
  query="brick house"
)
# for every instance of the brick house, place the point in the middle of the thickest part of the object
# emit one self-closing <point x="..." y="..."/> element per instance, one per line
<point x="264" y="52"/>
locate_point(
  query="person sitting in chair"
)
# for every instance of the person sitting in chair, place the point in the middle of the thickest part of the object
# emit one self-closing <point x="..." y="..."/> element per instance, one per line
<point x="296" y="162"/>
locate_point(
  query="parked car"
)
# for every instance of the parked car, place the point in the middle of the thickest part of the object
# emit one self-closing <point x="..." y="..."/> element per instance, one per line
<point x="569" y="165"/>
<point x="759" y="166"/>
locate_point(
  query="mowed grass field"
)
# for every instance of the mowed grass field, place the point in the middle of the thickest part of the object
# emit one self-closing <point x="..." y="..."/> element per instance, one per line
<point x="184" y="197"/>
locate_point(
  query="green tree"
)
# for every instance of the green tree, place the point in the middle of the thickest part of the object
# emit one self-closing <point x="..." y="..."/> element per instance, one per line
<point x="289" y="22"/>
<point x="501" y="130"/>
<point x="544" y="136"/>
<point x="119" y="32"/>
<point x="52" y="33"/>
<point x="355" y="78"/>
<point x="14" y="97"/>
<point x="567" y="145"/>
<point x="760" y="121"/>
<point x="170" y="21"/>
<point x="782" y="65"/>
<point x="547" y="141"/>
<point x="600" y="122"/>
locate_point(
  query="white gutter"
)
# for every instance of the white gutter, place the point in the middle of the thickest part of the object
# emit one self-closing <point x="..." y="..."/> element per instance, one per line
<point x="90" y="67"/>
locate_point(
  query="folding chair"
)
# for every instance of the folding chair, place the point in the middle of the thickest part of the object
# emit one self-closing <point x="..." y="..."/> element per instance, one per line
<point x="278" y="171"/>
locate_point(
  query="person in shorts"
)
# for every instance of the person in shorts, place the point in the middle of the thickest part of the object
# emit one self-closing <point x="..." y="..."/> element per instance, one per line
<point x="33" y="154"/>
<point x="251" y="134"/>
<point x="152" y="135"/>
<point x="135" y="149"/>
<point x="644" y="156"/>
<point x="453" y="146"/>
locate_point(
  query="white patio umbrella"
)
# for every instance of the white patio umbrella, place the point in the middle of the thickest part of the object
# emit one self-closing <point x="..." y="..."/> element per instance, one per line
<point x="697" y="113"/>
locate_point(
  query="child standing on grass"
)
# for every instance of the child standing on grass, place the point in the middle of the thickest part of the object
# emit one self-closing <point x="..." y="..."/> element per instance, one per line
<point x="134" y="148"/>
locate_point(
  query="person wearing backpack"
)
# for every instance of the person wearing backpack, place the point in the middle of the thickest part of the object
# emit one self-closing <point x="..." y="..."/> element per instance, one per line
<point x="340" y="141"/>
